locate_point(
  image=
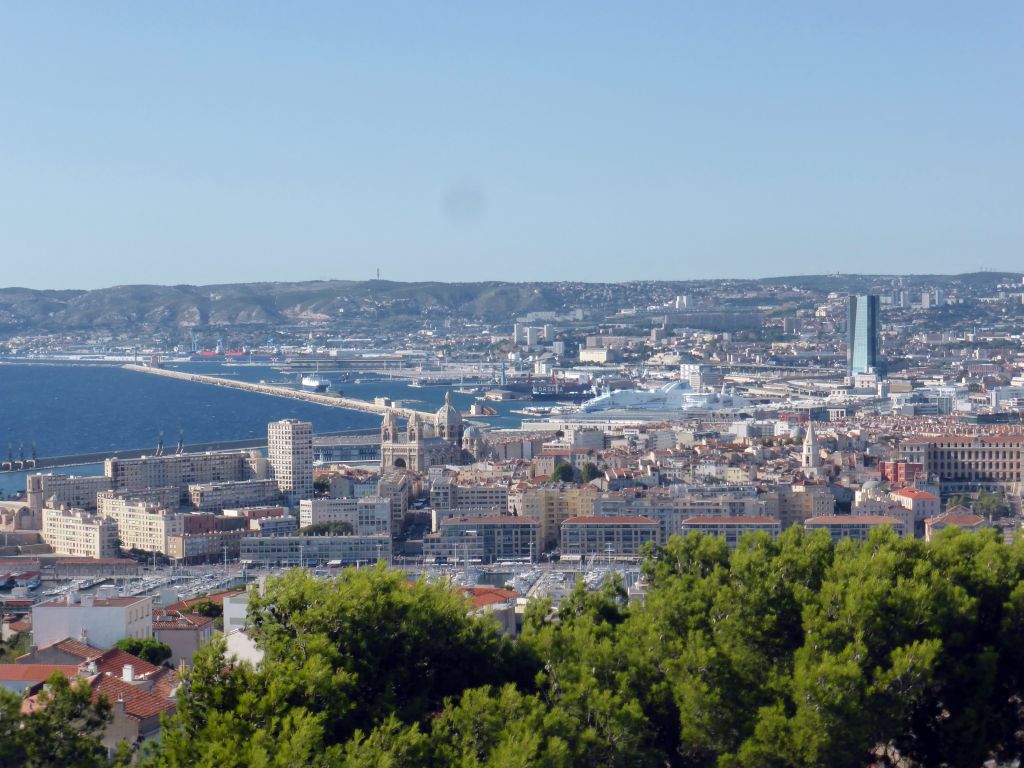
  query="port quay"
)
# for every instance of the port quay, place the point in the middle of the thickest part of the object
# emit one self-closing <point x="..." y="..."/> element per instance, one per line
<point x="269" y="389"/>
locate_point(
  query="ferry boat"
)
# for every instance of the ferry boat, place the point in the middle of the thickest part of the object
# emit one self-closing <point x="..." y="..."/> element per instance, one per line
<point x="315" y="383"/>
<point x="674" y="400"/>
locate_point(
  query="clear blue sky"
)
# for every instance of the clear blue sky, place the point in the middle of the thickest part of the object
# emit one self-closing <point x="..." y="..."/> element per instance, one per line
<point x="206" y="142"/>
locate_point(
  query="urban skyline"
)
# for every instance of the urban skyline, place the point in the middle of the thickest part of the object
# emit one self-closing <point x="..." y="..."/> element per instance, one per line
<point x="470" y="384"/>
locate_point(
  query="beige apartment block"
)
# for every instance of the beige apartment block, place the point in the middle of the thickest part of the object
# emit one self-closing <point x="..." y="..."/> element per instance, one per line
<point x="78" y="533"/>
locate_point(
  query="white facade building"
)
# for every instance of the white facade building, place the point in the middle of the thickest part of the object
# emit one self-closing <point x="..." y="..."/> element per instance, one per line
<point x="99" y="622"/>
<point x="77" y="533"/>
<point x="290" y="453"/>
<point x="368" y="516"/>
<point x="142" y="524"/>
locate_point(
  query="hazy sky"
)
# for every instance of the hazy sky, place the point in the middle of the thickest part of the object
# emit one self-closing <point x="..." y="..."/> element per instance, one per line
<point x="175" y="142"/>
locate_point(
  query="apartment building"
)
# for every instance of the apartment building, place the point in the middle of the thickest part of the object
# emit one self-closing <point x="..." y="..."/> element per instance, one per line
<point x="78" y="533"/>
<point x="347" y="449"/>
<point x="969" y="463"/>
<point x="856" y="527"/>
<point x="206" y="536"/>
<point x="610" y="536"/>
<point x="181" y="470"/>
<point x="142" y="524"/>
<point x="368" y="516"/>
<point x="670" y="511"/>
<point x="214" y="497"/>
<point x="798" y="502"/>
<point x="290" y="453"/>
<point x="169" y="496"/>
<point x="397" y="487"/>
<point x="98" y="621"/>
<point x="486" y="539"/>
<point x="447" y="495"/>
<point x="920" y="504"/>
<point x="309" y="550"/>
<point x="731" y="529"/>
<point x="550" y="506"/>
<point x="55" y="491"/>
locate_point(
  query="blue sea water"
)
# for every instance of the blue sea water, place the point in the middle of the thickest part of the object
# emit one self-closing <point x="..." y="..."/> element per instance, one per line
<point x="73" y="409"/>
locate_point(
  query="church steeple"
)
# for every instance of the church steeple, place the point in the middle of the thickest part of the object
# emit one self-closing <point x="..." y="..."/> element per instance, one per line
<point x="811" y="457"/>
<point x="388" y="427"/>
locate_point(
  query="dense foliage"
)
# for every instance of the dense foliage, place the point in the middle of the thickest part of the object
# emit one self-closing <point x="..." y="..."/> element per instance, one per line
<point x="148" y="649"/>
<point x="63" y="730"/>
<point x="13" y="647"/>
<point x="333" y="528"/>
<point x="793" y="653"/>
<point x="207" y="608"/>
<point x="563" y="473"/>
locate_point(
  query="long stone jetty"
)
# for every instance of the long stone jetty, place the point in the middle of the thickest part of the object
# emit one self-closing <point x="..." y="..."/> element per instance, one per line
<point x="349" y="403"/>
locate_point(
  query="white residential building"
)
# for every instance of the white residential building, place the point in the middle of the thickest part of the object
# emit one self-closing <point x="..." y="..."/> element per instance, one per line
<point x="290" y="452"/>
<point x="99" y="622"/>
<point x="78" y="533"/>
<point x="368" y="516"/>
<point x="142" y="524"/>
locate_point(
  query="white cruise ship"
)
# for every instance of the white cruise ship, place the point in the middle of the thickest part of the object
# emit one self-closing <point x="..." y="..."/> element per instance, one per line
<point x="674" y="400"/>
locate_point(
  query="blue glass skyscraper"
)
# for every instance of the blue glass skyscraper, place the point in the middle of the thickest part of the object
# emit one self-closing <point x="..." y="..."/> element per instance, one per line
<point x="863" y="336"/>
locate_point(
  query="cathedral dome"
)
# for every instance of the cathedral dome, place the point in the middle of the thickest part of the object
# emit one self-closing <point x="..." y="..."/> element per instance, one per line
<point x="447" y="414"/>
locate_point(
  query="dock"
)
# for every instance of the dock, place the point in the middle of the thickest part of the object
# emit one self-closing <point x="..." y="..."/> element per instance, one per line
<point x="349" y="403"/>
<point x="45" y="463"/>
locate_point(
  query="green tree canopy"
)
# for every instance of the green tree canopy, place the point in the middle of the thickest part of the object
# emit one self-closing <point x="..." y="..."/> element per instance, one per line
<point x="340" y="656"/>
<point x="990" y="505"/>
<point x="335" y="528"/>
<point x="563" y="473"/>
<point x="148" y="649"/>
<point x="64" y="730"/>
<point x="207" y="608"/>
<point x="787" y="653"/>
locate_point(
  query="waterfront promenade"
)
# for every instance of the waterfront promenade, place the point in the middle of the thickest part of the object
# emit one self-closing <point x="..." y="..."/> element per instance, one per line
<point x="349" y="403"/>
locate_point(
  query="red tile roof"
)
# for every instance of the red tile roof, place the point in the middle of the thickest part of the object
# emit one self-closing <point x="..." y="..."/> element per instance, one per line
<point x="77" y="648"/>
<point x="968" y="520"/>
<point x="217" y="598"/>
<point x="114" y="661"/>
<point x="138" y="703"/>
<point x="165" y="682"/>
<point x="482" y="596"/>
<point x="35" y="673"/>
<point x="178" y="620"/>
<point x="915" y="494"/>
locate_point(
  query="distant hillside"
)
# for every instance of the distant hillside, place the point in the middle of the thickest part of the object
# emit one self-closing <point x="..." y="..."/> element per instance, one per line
<point x="183" y="306"/>
<point x="136" y="308"/>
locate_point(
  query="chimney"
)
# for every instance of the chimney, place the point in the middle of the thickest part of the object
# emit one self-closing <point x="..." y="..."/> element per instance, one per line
<point x="83" y="636"/>
<point x="128" y="673"/>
